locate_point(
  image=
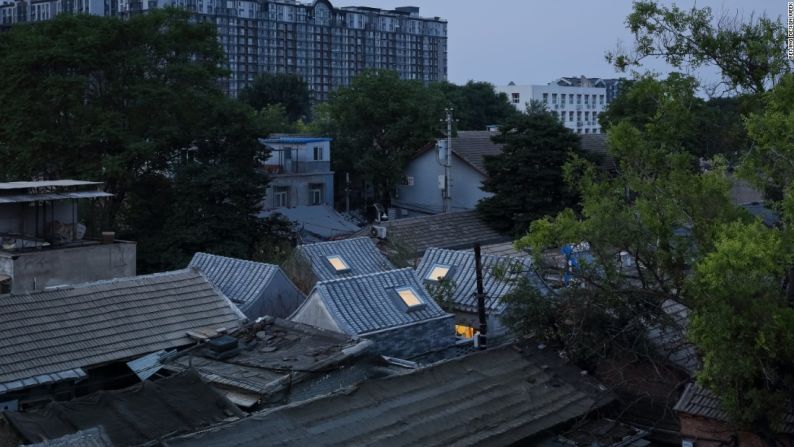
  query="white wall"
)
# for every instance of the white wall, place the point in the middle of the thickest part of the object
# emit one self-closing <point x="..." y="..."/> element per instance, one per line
<point x="586" y="114"/>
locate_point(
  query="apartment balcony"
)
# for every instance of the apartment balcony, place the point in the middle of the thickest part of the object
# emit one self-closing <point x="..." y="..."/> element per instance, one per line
<point x="290" y="167"/>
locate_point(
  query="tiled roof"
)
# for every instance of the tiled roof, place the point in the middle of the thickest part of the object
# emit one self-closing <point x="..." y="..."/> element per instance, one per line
<point x="359" y="253"/>
<point x="246" y="283"/>
<point x="449" y="230"/>
<point x="596" y="144"/>
<point x="241" y="281"/>
<point x="698" y="401"/>
<point x="136" y="415"/>
<point x="496" y="397"/>
<point x="473" y="145"/>
<point x="84" y="325"/>
<point x="464" y="276"/>
<point x="368" y="303"/>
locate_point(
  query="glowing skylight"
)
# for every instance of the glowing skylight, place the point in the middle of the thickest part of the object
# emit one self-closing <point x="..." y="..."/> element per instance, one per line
<point x="438" y="272"/>
<point x="338" y="264"/>
<point x="409" y="297"/>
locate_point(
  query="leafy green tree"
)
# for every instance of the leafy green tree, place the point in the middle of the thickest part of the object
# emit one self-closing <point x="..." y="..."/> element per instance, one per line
<point x="750" y="55"/>
<point x="378" y="123"/>
<point x="288" y="90"/>
<point x="745" y="326"/>
<point x="476" y="104"/>
<point x="526" y="179"/>
<point x="135" y="103"/>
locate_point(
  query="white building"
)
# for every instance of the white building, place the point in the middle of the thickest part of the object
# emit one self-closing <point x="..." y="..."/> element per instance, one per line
<point x="577" y="102"/>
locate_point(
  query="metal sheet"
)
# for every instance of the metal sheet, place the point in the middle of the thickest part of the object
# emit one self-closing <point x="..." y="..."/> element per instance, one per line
<point x="46" y="184"/>
<point x="25" y="198"/>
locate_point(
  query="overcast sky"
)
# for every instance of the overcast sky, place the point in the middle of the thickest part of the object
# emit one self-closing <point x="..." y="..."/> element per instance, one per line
<point x="535" y="42"/>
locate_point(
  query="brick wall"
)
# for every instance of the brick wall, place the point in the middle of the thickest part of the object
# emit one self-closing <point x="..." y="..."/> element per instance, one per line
<point x="410" y="341"/>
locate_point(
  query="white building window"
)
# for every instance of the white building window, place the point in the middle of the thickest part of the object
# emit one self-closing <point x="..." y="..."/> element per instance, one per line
<point x="516" y="98"/>
<point x="316" y="194"/>
<point x="318" y="153"/>
<point x="280" y="198"/>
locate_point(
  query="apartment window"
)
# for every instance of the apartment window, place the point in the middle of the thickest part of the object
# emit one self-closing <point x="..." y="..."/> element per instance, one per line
<point x="516" y="98"/>
<point x="586" y="99"/>
<point x="438" y="272"/>
<point x="318" y="153"/>
<point x="409" y="297"/>
<point x="562" y="99"/>
<point x="554" y="98"/>
<point x="316" y="193"/>
<point x="280" y="197"/>
<point x="570" y="115"/>
<point x="601" y="99"/>
<point x="339" y="265"/>
<point x="579" y="99"/>
<point x="546" y="97"/>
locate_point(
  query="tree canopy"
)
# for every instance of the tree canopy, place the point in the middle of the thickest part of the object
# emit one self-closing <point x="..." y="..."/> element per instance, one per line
<point x="476" y="104"/>
<point x="378" y="123"/>
<point x="289" y="91"/>
<point x="526" y="179"/>
<point x="135" y="103"/>
<point x="751" y="54"/>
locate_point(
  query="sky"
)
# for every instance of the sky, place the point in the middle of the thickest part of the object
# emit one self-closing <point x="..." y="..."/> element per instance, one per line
<point x="535" y="42"/>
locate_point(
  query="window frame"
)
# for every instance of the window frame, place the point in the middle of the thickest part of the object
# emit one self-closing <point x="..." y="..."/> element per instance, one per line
<point x="346" y="266"/>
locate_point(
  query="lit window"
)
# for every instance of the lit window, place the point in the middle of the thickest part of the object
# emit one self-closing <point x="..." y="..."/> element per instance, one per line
<point x="464" y="331"/>
<point x="338" y="264"/>
<point x="409" y="297"/>
<point x="438" y="272"/>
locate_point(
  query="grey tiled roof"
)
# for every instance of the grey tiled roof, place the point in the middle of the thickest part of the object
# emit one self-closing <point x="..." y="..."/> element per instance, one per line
<point x="241" y="281"/>
<point x="473" y="145"/>
<point x="464" y="276"/>
<point x="450" y="230"/>
<point x="368" y="303"/>
<point x="698" y="401"/>
<point x="596" y="144"/>
<point x="496" y="397"/>
<point x="79" y="326"/>
<point x="248" y="284"/>
<point x="360" y="254"/>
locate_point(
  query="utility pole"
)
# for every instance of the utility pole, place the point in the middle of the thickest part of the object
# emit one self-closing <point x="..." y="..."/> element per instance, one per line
<point x="483" y="334"/>
<point x="448" y="161"/>
<point x="347" y="193"/>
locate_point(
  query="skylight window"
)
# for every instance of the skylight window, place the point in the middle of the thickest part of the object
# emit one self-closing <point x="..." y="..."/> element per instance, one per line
<point x="438" y="272"/>
<point x="338" y="264"/>
<point x="409" y="297"/>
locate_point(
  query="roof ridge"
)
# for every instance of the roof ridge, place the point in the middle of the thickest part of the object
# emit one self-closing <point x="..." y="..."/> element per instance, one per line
<point x="123" y="279"/>
<point x="314" y="244"/>
<point x="363" y="275"/>
<point x="245" y="261"/>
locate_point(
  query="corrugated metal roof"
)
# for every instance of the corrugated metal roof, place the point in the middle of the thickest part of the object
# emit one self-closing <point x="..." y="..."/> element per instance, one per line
<point x="449" y="230"/>
<point x="464" y="276"/>
<point x="698" y="401"/>
<point x="496" y="397"/>
<point x="89" y="324"/>
<point x="24" y="198"/>
<point x="359" y="253"/>
<point x="368" y="303"/>
<point x="46" y="184"/>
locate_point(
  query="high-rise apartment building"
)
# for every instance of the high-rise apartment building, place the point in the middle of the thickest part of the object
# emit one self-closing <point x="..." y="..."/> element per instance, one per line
<point x="326" y="46"/>
<point x="576" y="101"/>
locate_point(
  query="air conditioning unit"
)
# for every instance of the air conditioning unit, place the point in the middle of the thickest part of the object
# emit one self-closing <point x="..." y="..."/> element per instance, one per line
<point x="378" y="231"/>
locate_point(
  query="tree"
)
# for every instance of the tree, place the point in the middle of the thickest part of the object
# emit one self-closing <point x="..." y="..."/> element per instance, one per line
<point x="751" y="55"/>
<point x="703" y="128"/>
<point x="745" y="326"/>
<point x="476" y="104"/>
<point x="288" y="90"/>
<point x="135" y="103"/>
<point x="378" y="123"/>
<point x="526" y="179"/>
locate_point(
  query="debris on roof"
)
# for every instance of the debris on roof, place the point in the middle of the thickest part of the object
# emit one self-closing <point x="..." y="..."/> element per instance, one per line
<point x="274" y="361"/>
<point x="53" y="335"/>
<point x="494" y="397"/>
<point x="256" y="288"/>
<point x="132" y="416"/>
